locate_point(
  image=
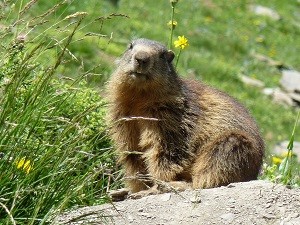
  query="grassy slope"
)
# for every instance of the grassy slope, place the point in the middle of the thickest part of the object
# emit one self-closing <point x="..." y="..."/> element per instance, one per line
<point x="222" y="36"/>
<point x="222" y="39"/>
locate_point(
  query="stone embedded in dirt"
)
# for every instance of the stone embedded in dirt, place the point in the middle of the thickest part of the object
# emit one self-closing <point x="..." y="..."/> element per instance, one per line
<point x="289" y="95"/>
<point x="268" y="91"/>
<point x="255" y="202"/>
<point x="166" y="197"/>
<point x="268" y="60"/>
<point x="282" y="98"/>
<point x="281" y="149"/>
<point x="252" y="81"/>
<point x="265" y="11"/>
<point x="295" y="97"/>
<point x="290" y="80"/>
<point x="228" y="217"/>
<point x="195" y="199"/>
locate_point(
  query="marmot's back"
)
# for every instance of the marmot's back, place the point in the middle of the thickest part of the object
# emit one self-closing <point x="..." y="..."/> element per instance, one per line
<point x="177" y="130"/>
<point x="220" y="111"/>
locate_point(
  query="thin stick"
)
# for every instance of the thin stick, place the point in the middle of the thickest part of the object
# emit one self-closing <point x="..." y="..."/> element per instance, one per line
<point x="172" y="27"/>
<point x="137" y="118"/>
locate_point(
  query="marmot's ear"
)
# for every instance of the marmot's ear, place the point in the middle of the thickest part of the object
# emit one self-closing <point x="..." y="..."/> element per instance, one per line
<point x="170" y="55"/>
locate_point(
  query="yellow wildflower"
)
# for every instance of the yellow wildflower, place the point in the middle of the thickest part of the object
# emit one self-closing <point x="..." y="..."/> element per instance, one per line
<point x="208" y="20"/>
<point x="257" y="22"/>
<point x="24" y="164"/>
<point x="276" y="160"/>
<point x="259" y="39"/>
<point x="245" y="38"/>
<point x="288" y="154"/>
<point x="272" y="52"/>
<point x="182" y="42"/>
<point x="172" y="25"/>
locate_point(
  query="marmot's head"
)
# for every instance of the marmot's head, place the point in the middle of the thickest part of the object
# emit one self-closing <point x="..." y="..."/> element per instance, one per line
<point x="146" y="61"/>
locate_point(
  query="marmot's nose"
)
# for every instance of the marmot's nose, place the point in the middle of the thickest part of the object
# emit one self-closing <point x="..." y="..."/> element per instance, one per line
<point x="142" y="58"/>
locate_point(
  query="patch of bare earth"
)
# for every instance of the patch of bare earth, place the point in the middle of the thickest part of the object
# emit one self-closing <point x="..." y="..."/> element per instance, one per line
<point x="255" y="202"/>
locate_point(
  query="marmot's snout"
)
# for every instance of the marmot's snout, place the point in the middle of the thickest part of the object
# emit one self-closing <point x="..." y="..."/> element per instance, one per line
<point x="142" y="62"/>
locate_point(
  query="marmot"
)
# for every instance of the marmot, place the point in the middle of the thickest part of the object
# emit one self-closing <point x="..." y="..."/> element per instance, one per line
<point x="176" y="130"/>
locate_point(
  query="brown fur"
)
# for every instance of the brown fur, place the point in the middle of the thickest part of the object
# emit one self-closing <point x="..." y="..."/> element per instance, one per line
<point x="175" y="129"/>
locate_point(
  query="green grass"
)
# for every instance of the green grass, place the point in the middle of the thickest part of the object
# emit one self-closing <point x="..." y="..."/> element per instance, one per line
<point x="55" y="153"/>
<point x="222" y="38"/>
<point x="285" y="169"/>
<point x="51" y="86"/>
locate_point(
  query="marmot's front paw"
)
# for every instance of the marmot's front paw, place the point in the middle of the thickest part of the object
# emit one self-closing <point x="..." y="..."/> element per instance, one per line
<point x="151" y="191"/>
<point x="118" y="195"/>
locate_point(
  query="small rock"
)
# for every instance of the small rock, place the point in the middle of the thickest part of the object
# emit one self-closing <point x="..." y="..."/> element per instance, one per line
<point x="166" y="197"/>
<point x="252" y="81"/>
<point x="228" y="217"/>
<point x="291" y="220"/>
<point x="195" y="199"/>
<point x="290" y="80"/>
<point x="268" y="216"/>
<point x="295" y="97"/>
<point x="283" y="98"/>
<point x="268" y="60"/>
<point x="295" y="215"/>
<point x="268" y="205"/>
<point x="231" y="200"/>
<point x="265" y="11"/>
<point x="130" y="218"/>
<point x="147" y="215"/>
<point x="230" y="186"/>
<point x="268" y="91"/>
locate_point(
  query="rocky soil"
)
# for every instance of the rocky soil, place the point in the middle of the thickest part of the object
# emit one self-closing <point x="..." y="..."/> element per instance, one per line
<point x="256" y="202"/>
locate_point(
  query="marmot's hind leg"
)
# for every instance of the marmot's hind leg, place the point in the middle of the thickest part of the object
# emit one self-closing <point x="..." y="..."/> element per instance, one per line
<point x="233" y="157"/>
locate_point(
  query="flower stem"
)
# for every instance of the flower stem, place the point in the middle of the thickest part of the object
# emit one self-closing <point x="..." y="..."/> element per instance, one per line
<point x="177" y="58"/>
<point x="172" y="28"/>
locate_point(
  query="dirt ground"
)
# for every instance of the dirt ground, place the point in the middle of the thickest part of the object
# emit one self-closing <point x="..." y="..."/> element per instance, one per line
<point x="256" y="202"/>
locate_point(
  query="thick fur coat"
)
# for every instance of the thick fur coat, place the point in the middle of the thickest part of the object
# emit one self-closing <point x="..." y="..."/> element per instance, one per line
<point x="177" y="130"/>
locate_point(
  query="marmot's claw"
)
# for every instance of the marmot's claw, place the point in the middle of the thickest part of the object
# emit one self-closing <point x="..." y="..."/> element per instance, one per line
<point x="151" y="191"/>
<point x="136" y="195"/>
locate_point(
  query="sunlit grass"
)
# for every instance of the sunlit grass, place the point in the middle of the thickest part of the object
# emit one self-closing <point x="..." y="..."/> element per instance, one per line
<point x="55" y="153"/>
